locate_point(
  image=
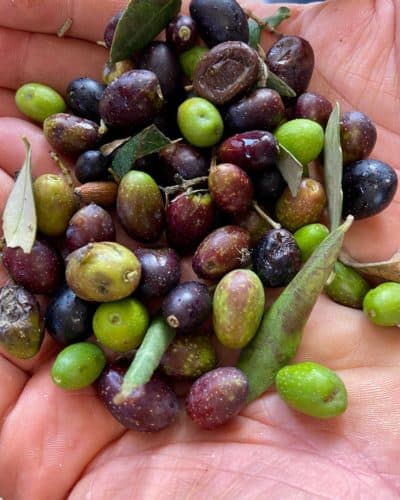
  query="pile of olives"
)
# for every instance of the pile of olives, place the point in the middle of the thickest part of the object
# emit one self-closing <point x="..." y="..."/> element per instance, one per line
<point x="214" y="194"/>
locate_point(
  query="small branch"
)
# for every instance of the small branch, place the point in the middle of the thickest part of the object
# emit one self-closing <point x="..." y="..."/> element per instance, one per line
<point x="64" y="28"/>
<point x="263" y="24"/>
<point x="64" y="170"/>
<point x="183" y="186"/>
<point x="265" y="216"/>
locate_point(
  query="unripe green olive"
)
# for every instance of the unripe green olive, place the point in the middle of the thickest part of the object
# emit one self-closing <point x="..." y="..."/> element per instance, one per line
<point x="309" y="237"/>
<point x="382" y="304"/>
<point x="348" y="287"/>
<point x="38" y="101"/>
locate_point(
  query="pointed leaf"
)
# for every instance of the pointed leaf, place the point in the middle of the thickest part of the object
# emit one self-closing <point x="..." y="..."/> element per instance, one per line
<point x="254" y="33"/>
<point x="140" y="23"/>
<point x="280" y="15"/>
<point x="388" y="270"/>
<point x="19" y="216"/>
<point x="291" y="169"/>
<point x="148" y="141"/>
<point x="333" y="167"/>
<point x="276" y="83"/>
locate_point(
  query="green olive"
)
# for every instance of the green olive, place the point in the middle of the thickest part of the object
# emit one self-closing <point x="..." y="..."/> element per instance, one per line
<point x="348" y="287"/>
<point x="121" y="325"/>
<point x="38" y="101"/>
<point x="78" y="366"/>
<point x="189" y="59"/>
<point x="382" y="304"/>
<point x="312" y="389"/>
<point x="309" y="237"/>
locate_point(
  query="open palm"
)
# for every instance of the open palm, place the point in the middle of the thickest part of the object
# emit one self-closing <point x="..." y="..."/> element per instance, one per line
<point x="55" y="444"/>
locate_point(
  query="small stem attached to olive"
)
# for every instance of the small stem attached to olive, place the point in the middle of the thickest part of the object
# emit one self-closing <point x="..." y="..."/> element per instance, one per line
<point x="265" y="216"/>
<point x="64" y="170"/>
<point x="184" y="185"/>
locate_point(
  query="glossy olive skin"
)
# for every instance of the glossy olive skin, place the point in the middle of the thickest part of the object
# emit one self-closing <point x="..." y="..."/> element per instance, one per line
<point x="292" y="59"/>
<point x="38" y="101"/>
<point x="112" y="71"/>
<point x="230" y="187"/>
<point x="348" y="287"/>
<point x="313" y="107"/>
<point x="254" y="151"/>
<point x="262" y="109"/>
<point x="357" y="136"/>
<point x="71" y="135"/>
<point x="382" y="304"/>
<point x="183" y="160"/>
<point x="159" y="58"/>
<point x="252" y="221"/>
<point x="268" y="186"/>
<point x="181" y="32"/>
<point x="91" y="166"/>
<point x="83" y="96"/>
<point x="68" y="318"/>
<point x="276" y="258"/>
<point x="220" y="21"/>
<point x="368" y="188"/>
<point x="309" y="237"/>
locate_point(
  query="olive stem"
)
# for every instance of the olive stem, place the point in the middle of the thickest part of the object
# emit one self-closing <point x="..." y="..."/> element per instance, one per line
<point x="115" y="176"/>
<point x="64" y="28"/>
<point x="64" y="170"/>
<point x="101" y="43"/>
<point x="103" y="127"/>
<point x="214" y="155"/>
<point x="263" y="24"/>
<point x="265" y="216"/>
<point x="188" y="88"/>
<point x="183" y="186"/>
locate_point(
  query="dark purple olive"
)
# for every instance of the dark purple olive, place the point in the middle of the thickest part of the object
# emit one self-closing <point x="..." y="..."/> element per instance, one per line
<point x="230" y="187"/>
<point x="262" y="109"/>
<point x="183" y="160"/>
<point x="110" y="28"/>
<point x="90" y="223"/>
<point x="91" y="166"/>
<point x="161" y="271"/>
<point x="276" y="258"/>
<point x="292" y="59"/>
<point x="268" y="186"/>
<point x="220" y="21"/>
<point x="254" y="151"/>
<point x="39" y="271"/>
<point x="313" y="107"/>
<point x="368" y="188"/>
<point x="150" y="407"/>
<point x="252" y="221"/>
<point x="83" y="96"/>
<point x="68" y="318"/>
<point x="357" y="136"/>
<point x="159" y="58"/>
<point x="187" y="306"/>
<point x="181" y="32"/>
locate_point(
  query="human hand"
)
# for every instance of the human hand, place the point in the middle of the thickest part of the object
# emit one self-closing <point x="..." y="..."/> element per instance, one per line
<point x="56" y="444"/>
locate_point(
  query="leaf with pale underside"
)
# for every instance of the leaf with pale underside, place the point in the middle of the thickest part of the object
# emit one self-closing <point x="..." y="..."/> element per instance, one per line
<point x="291" y="169"/>
<point x="276" y="83"/>
<point x="19" y="216"/>
<point x="388" y="270"/>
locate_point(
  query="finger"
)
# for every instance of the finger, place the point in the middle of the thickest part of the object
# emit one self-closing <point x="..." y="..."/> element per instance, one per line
<point x="13" y="381"/>
<point x="7" y="106"/>
<point x="26" y="57"/>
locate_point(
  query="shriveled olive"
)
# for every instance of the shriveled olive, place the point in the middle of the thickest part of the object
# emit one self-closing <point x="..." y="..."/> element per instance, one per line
<point x="225" y="72"/>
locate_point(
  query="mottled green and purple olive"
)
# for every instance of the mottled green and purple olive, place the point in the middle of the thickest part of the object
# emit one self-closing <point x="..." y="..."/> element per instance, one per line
<point x="357" y="136"/>
<point x="189" y="356"/>
<point x="256" y="225"/>
<point x="71" y="135"/>
<point x="223" y="250"/>
<point x="312" y="389"/>
<point x="103" y="272"/>
<point x="305" y="208"/>
<point x="382" y="304"/>
<point x="238" y="306"/>
<point x="140" y="206"/>
<point x="230" y="187"/>
<point x="309" y="237"/>
<point x="55" y="204"/>
<point x="347" y="287"/>
<point x="21" y="328"/>
<point x="38" y="101"/>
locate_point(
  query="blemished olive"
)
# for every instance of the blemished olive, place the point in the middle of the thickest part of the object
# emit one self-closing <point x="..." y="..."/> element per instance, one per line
<point x="309" y="237"/>
<point x="103" y="272"/>
<point x="382" y="304"/>
<point x="312" y="389"/>
<point x="121" y="325"/>
<point x="55" y="204"/>
<point x="38" y="101"/>
<point x="347" y="287"/>
<point x="78" y="366"/>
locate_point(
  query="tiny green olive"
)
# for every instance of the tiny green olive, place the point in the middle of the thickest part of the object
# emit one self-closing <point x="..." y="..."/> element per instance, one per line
<point x="78" y="366"/>
<point x="348" y="287"/>
<point x="302" y="137"/>
<point x="38" y="101"/>
<point x="189" y="59"/>
<point x="309" y="237"/>
<point x="312" y="389"/>
<point x="382" y="304"/>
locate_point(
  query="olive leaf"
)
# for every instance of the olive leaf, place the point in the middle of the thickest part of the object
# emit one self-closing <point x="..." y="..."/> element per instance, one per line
<point x="140" y="23"/>
<point x="277" y="17"/>
<point x="19" y="216"/>
<point x="254" y="33"/>
<point x="388" y="270"/>
<point x="149" y="140"/>
<point x="276" y="83"/>
<point x="333" y="167"/>
<point x="290" y="168"/>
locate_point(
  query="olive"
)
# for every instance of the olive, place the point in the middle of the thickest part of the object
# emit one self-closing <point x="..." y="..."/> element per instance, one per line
<point x="183" y="160"/>
<point x="347" y="287"/>
<point x="230" y="187"/>
<point x="268" y="186"/>
<point x="313" y="107"/>
<point x="91" y="166"/>
<point x="226" y="72"/>
<point x="83" y="96"/>
<point x="357" y="136"/>
<point x="110" y="27"/>
<point x="292" y="59"/>
<point x="38" y="101"/>
<point x="368" y="188"/>
<point x="21" y="328"/>
<point x="306" y="207"/>
<point x="309" y="237"/>
<point x="382" y="304"/>
<point x="78" y="366"/>
<point x="220" y="21"/>
<point x="181" y="32"/>
<point x="69" y="134"/>
<point x="103" y="272"/>
<point x="113" y="70"/>
<point x="190" y="58"/>
<point x="54" y="202"/>
<point x="252" y="221"/>
<point x="276" y="258"/>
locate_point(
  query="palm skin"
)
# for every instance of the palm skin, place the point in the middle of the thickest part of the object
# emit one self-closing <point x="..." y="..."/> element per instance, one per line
<point x="55" y="444"/>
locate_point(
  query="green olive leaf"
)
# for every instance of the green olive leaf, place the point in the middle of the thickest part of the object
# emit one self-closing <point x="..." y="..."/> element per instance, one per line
<point x="388" y="270"/>
<point x="276" y="83"/>
<point x="290" y="168"/>
<point x="277" y="17"/>
<point x="149" y="140"/>
<point x="254" y="33"/>
<point x="333" y="167"/>
<point x="19" y="216"/>
<point x="140" y="23"/>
